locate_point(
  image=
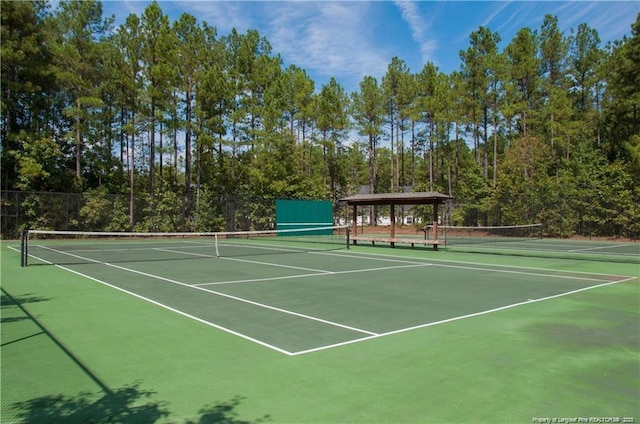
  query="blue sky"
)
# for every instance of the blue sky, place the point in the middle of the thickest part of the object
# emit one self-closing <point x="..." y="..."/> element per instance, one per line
<point x="351" y="39"/>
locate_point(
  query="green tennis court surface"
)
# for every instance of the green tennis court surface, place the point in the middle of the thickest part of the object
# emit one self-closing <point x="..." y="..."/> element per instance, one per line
<point x="572" y="249"/>
<point x="527" y="240"/>
<point x="377" y="331"/>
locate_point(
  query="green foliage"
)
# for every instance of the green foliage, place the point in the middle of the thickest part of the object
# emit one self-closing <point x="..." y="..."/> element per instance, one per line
<point x="163" y="213"/>
<point x="39" y="165"/>
<point x="610" y="207"/>
<point x="50" y="212"/>
<point x="558" y="215"/>
<point x="103" y="212"/>
<point x="523" y="177"/>
<point x="182" y="120"/>
<point x="207" y="212"/>
<point x="633" y="153"/>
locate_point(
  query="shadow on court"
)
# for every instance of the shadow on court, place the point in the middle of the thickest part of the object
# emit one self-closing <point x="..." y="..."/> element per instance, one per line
<point x="125" y="405"/>
<point x="224" y="412"/>
<point x="130" y="404"/>
<point x="108" y="406"/>
<point x="7" y="302"/>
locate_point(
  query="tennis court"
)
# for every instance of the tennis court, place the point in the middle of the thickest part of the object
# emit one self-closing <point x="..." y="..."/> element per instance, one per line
<point x="297" y="299"/>
<point x="363" y="323"/>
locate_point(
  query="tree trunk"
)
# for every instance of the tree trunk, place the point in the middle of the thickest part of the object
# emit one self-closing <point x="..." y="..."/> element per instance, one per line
<point x="78" y="145"/>
<point x="152" y="152"/>
<point x="132" y="170"/>
<point x="187" y="158"/>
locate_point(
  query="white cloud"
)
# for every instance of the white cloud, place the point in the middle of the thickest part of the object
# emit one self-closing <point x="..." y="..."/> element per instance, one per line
<point x="351" y="39"/>
<point x="122" y="9"/>
<point x="608" y="18"/>
<point x="224" y="15"/>
<point x="327" y="38"/>
<point x="419" y="28"/>
<point x="493" y="14"/>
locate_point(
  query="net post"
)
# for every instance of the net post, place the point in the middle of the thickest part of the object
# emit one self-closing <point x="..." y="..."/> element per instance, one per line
<point x="24" y="254"/>
<point x="22" y="249"/>
<point x="215" y="239"/>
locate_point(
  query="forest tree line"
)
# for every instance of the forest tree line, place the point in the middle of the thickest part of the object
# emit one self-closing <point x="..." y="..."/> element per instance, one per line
<point x="544" y="130"/>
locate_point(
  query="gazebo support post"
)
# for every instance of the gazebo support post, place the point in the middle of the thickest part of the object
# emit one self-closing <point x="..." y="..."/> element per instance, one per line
<point x="393" y="223"/>
<point x="435" y="225"/>
<point x="355" y="222"/>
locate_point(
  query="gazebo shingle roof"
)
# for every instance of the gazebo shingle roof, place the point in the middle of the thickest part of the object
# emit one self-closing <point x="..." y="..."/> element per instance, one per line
<point x="412" y="198"/>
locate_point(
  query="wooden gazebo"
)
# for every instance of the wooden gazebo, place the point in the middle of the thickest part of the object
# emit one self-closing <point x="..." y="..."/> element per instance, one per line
<point x="393" y="199"/>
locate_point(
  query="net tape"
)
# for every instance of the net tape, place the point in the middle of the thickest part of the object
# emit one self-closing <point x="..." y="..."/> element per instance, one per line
<point x="330" y="234"/>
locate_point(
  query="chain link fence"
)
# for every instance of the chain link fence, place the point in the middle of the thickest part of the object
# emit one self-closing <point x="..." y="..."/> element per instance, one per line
<point x="96" y="211"/>
<point x="168" y="212"/>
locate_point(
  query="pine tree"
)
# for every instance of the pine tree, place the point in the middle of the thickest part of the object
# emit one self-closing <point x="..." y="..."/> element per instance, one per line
<point x="78" y="29"/>
<point x="367" y="110"/>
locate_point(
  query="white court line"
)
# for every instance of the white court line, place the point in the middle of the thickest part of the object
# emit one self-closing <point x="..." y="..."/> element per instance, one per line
<point x="458" y="318"/>
<point x="540" y="272"/>
<point x="507" y="271"/>
<point x="598" y="247"/>
<point x="538" y="248"/>
<point x="322" y="271"/>
<point x="202" y="255"/>
<point x="576" y="246"/>
<point x="360" y="255"/>
<point x="480" y="266"/>
<point x="387" y="259"/>
<point x="270" y="247"/>
<point x="251" y="302"/>
<point x="316" y="272"/>
<point x="162" y="305"/>
<point x="258" y="280"/>
<point x="533" y="274"/>
<point x="324" y="274"/>
<point x="137" y="249"/>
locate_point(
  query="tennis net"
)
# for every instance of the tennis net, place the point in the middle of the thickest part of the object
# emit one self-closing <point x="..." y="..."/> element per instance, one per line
<point x="81" y="247"/>
<point x="507" y="234"/>
<point x="305" y="239"/>
<point x="528" y="240"/>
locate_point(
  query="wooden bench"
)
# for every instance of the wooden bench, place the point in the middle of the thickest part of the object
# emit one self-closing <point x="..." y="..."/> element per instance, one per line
<point x="393" y="241"/>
